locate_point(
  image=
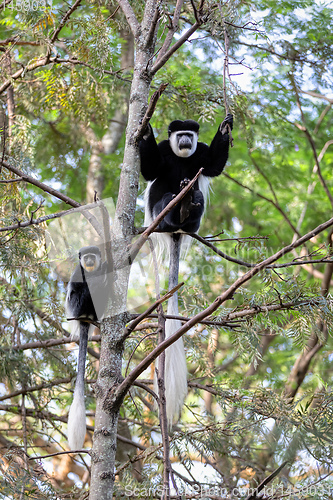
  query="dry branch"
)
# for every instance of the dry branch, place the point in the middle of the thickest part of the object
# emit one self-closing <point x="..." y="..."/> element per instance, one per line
<point x="40" y="185"/>
<point x="150" y="110"/>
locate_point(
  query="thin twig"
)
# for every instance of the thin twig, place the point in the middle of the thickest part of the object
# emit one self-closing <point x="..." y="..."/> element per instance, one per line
<point x="44" y="218"/>
<point x="10" y="181"/>
<point x="161" y="62"/>
<point x="3" y="142"/>
<point x="41" y="185"/>
<point x="64" y="20"/>
<point x="225" y="65"/>
<point x="173" y="26"/>
<point x="311" y="141"/>
<point x="91" y="218"/>
<point x="136" y="347"/>
<point x="267" y="480"/>
<point x="70" y="452"/>
<point x="276" y="205"/>
<point x="219" y="252"/>
<point x="46" y="60"/>
<point x="150" y="309"/>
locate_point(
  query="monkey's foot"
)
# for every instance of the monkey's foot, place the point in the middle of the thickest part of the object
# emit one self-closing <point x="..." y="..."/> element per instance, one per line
<point x="184" y="183"/>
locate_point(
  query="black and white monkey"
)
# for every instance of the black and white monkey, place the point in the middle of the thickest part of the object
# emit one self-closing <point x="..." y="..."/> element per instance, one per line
<point x="168" y="167"/>
<point x="87" y="297"/>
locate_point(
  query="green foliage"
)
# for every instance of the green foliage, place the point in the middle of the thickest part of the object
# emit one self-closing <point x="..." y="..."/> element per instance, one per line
<point x="270" y="195"/>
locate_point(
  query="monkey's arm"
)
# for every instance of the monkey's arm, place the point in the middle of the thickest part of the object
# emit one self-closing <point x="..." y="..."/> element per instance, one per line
<point x="151" y="160"/>
<point x="219" y="149"/>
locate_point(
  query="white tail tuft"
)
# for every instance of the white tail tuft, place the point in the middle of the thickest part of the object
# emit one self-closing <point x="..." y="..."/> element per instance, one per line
<point x="75" y="330"/>
<point x="205" y="188"/>
<point x="175" y="373"/>
<point x="175" y="367"/>
<point x="77" y="422"/>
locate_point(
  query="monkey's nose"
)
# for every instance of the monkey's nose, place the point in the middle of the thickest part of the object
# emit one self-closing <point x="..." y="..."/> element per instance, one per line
<point x="185" y="142"/>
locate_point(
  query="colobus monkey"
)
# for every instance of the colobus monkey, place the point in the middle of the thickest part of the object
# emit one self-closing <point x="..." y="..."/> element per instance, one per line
<point x="168" y="166"/>
<point x="87" y="297"/>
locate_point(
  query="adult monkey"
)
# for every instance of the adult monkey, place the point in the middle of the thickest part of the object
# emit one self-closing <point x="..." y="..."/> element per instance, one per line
<point x="168" y="167"/>
<point x="87" y="296"/>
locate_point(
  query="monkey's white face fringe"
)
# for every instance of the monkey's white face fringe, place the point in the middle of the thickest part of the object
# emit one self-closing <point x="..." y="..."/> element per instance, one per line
<point x="183" y="152"/>
<point x="77" y="422"/>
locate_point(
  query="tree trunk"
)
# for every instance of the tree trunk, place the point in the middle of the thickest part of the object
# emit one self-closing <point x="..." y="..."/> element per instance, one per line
<point x="104" y="446"/>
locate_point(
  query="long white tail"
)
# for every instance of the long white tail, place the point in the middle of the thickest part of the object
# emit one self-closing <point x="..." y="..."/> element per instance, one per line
<point x="175" y="367"/>
<point x="175" y="360"/>
<point x="76" y="426"/>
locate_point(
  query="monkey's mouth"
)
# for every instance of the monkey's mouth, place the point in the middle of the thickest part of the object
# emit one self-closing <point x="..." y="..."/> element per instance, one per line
<point x="90" y="268"/>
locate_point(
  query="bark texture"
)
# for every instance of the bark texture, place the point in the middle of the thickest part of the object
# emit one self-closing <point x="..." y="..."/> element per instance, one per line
<point x="104" y="446"/>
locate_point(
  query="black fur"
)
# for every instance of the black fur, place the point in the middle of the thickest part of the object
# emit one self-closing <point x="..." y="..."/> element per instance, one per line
<point x="168" y="171"/>
<point x="87" y="294"/>
<point x="183" y="125"/>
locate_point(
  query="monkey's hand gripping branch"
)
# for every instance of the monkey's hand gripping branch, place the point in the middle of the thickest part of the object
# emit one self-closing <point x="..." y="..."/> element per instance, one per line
<point x="227" y="126"/>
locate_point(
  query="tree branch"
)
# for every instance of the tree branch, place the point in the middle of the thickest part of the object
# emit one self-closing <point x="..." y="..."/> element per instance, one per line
<point x="172" y="30"/>
<point x="41" y="185"/>
<point x="45" y="61"/>
<point x="311" y="141"/>
<point x="160" y="62"/>
<point x="130" y="16"/>
<point x="39" y="387"/>
<point x="64" y="20"/>
<point x="150" y="309"/>
<point x="45" y="218"/>
<point x="150" y="110"/>
<point x="118" y="394"/>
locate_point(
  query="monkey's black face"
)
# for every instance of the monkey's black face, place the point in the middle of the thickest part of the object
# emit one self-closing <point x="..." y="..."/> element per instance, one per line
<point x="183" y="143"/>
<point x="90" y="262"/>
